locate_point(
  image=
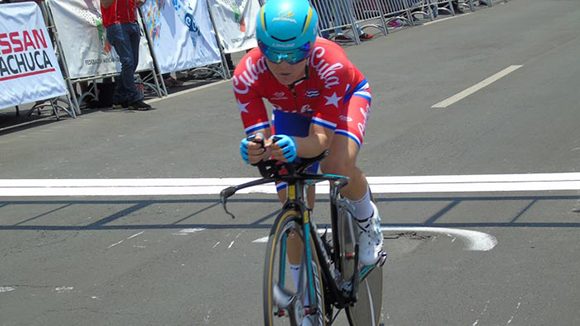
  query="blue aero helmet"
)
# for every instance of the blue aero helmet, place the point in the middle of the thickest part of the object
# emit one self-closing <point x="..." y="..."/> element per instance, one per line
<point x="286" y="30"/>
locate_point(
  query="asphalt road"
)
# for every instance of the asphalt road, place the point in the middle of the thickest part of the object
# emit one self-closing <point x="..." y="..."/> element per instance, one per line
<point x="180" y="260"/>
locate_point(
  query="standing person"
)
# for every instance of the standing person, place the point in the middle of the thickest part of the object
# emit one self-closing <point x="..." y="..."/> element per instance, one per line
<point x="321" y="102"/>
<point x="124" y="34"/>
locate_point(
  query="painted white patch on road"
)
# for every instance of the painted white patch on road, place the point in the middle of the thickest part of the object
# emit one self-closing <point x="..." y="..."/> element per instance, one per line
<point x="188" y="231"/>
<point x="213" y="186"/>
<point x="473" y="240"/>
<point x="64" y="289"/>
<point x="484" y="83"/>
<point x="5" y="289"/>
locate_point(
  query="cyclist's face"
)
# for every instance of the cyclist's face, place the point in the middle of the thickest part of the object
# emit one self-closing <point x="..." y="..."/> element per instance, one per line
<point x="287" y="73"/>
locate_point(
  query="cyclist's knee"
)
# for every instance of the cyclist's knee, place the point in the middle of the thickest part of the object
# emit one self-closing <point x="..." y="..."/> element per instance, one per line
<point x="336" y="165"/>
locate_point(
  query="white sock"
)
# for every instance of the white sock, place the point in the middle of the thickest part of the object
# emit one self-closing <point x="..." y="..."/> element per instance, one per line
<point x="295" y="270"/>
<point x="362" y="207"/>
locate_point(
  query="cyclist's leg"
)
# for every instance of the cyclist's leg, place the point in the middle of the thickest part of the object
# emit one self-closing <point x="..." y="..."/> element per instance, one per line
<point x="282" y="297"/>
<point x="294" y="243"/>
<point x="343" y="153"/>
<point x="344" y="148"/>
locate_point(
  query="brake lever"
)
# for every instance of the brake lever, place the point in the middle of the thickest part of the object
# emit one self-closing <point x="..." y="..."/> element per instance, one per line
<point x="224" y="195"/>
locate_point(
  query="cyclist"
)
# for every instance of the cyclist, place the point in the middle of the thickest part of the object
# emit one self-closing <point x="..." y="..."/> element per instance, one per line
<point x="320" y="101"/>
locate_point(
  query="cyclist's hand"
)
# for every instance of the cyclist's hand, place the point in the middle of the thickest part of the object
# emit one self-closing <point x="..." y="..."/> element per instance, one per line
<point x="252" y="149"/>
<point x="284" y="148"/>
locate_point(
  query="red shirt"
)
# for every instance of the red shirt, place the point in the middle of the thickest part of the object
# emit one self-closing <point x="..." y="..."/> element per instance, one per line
<point x="332" y="80"/>
<point x="120" y="12"/>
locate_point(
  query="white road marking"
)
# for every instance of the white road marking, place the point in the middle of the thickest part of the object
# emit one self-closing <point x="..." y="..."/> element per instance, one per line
<point x="188" y="231"/>
<point x="63" y="289"/>
<point x="135" y="235"/>
<point x="486" y="82"/>
<point x="231" y="244"/>
<point x="213" y="186"/>
<point x="444" y="19"/>
<point x="216" y="244"/>
<point x="115" y="244"/>
<point x="473" y="240"/>
<point x="5" y="289"/>
<point x="129" y="238"/>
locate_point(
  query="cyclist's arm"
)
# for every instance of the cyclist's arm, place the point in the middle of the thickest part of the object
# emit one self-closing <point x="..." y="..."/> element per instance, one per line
<point x="317" y="141"/>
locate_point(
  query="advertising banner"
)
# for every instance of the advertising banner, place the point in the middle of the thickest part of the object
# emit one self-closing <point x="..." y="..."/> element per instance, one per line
<point x="181" y="33"/>
<point x="29" y="70"/>
<point x="236" y="23"/>
<point x="84" y="40"/>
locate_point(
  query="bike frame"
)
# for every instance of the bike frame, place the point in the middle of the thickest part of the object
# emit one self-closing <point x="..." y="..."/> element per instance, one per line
<point x="333" y="285"/>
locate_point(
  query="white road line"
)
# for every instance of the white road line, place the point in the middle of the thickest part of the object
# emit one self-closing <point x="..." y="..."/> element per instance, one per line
<point x="135" y="235"/>
<point x="114" y="244"/>
<point x="473" y="240"/>
<point x="486" y="82"/>
<point x="208" y="186"/>
<point x="444" y="19"/>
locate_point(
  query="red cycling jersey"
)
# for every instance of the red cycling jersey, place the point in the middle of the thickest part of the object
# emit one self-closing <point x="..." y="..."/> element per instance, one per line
<point x="335" y="94"/>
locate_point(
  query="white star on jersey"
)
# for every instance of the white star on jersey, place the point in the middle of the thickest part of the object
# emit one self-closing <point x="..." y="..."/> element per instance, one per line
<point x="243" y="107"/>
<point x="333" y="99"/>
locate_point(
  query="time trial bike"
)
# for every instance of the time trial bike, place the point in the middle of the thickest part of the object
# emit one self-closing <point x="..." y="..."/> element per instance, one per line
<point x="330" y="278"/>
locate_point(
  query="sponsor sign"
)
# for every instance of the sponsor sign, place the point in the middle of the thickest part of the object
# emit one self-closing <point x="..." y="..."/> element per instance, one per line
<point x="84" y="40"/>
<point x="29" y="70"/>
<point x="181" y="33"/>
<point x="236" y="23"/>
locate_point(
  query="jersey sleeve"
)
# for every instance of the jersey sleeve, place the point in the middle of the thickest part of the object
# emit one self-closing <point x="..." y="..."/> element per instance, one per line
<point x="249" y="101"/>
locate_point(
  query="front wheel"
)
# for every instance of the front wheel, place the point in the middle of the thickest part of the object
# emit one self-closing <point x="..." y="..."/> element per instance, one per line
<point x="285" y="285"/>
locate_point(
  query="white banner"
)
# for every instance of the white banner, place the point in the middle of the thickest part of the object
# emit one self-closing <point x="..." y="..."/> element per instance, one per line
<point x="181" y="33"/>
<point x="84" y="40"/>
<point x="236" y="23"/>
<point x="29" y="70"/>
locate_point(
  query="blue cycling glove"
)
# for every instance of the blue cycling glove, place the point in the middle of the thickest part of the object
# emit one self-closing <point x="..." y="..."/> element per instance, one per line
<point x="244" y="150"/>
<point x="288" y="146"/>
<point x="244" y="146"/>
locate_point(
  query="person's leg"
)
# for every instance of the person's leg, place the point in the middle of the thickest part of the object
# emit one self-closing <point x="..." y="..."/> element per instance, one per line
<point x="342" y="158"/>
<point x="134" y="35"/>
<point x="117" y="39"/>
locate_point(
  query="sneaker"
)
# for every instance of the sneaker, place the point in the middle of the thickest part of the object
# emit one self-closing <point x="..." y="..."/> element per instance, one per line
<point x="139" y="106"/>
<point x="370" y="239"/>
<point x="365" y="37"/>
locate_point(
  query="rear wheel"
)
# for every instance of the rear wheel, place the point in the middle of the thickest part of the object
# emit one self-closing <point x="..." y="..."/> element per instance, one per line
<point x="286" y="301"/>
